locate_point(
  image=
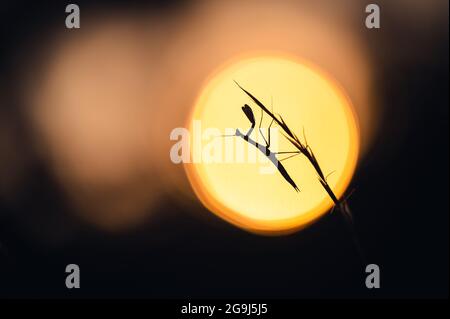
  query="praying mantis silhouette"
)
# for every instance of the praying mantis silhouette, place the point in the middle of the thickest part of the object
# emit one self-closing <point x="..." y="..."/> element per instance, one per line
<point x="303" y="148"/>
<point x="265" y="149"/>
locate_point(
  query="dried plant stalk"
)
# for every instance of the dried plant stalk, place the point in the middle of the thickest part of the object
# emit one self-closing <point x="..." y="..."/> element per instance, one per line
<point x="339" y="204"/>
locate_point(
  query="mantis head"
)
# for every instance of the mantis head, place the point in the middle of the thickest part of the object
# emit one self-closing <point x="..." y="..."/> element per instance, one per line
<point x="249" y="113"/>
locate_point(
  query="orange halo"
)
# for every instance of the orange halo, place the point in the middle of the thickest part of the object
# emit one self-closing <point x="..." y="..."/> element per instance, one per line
<point x="265" y="204"/>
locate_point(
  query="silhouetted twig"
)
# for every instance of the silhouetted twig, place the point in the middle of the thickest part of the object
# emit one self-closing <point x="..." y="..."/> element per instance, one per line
<point x="305" y="149"/>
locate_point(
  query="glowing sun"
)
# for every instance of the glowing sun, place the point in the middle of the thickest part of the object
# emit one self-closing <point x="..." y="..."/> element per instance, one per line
<point x="310" y="102"/>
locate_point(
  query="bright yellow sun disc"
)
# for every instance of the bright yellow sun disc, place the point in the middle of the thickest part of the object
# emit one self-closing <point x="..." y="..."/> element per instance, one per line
<point x="246" y="192"/>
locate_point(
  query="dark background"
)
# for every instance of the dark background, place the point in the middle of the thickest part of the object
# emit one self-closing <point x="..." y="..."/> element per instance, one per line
<point x="400" y="203"/>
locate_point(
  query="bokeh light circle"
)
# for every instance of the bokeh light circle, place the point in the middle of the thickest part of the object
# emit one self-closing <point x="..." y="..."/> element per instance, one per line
<point x="309" y="101"/>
